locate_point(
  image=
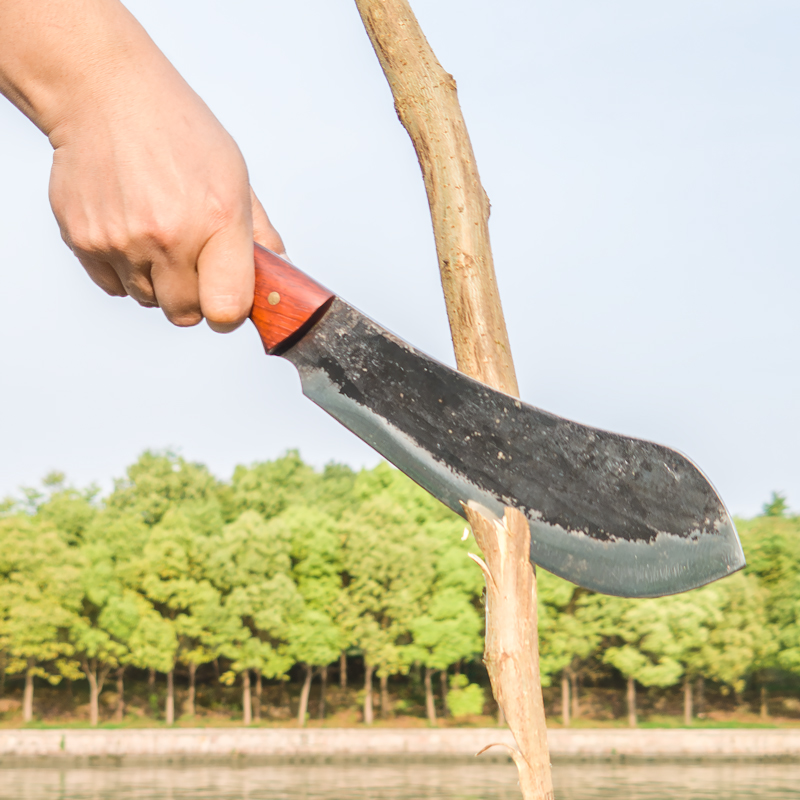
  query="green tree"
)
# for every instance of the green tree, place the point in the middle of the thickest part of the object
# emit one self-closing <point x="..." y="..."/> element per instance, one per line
<point x="157" y="482"/>
<point x="250" y="565"/>
<point x="172" y="574"/>
<point x="270" y="487"/>
<point x="772" y="549"/>
<point x="570" y="632"/>
<point x="643" y="650"/>
<point x="40" y="595"/>
<point x="741" y="641"/>
<point x="391" y="544"/>
<point x="102" y="612"/>
<point x="776" y="507"/>
<point x="315" y="636"/>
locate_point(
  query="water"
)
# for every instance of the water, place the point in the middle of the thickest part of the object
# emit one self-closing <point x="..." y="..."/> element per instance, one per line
<point x="401" y="782"/>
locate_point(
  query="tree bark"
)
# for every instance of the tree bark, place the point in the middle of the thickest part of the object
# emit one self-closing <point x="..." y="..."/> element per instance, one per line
<point x="688" y="710"/>
<point x="27" y="696"/>
<point x="306" y="691"/>
<point x="247" y="700"/>
<point x="257" y="697"/>
<point x="511" y="654"/>
<point x="119" y="711"/>
<point x="575" y="694"/>
<point x="385" y="713"/>
<point x="323" y="687"/>
<point x="443" y="685"/>
<point x="93" y="693"/>
<point x="96" y="681"/>
<point x="430" y="704"/>
<point x="343" y="670"/>
<point x="170" y="705"/>
<point x="190" y="698"/>
<point x="564" y="699"/>
<point x="151" y="680"/>
<point x="764" y="705"/>
<point x="368" y="715"/>
<point x="2" y="674"/>
<point x="631" y="703"/>
<point x="426" y="102"/>
<point x="701" y="695"/>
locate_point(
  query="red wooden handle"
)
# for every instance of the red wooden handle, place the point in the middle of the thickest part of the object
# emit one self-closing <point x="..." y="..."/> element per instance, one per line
<point x="287" y="301"/>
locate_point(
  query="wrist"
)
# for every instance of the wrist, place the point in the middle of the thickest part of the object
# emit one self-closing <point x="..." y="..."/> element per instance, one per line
<point x="62" y="61"/>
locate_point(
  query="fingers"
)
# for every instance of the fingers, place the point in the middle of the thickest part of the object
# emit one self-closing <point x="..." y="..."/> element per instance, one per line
<point x="177" y="290"/>
<point x="263" y="232"/>
<point x="160" y="269"/>
<point x="104" y="275"/>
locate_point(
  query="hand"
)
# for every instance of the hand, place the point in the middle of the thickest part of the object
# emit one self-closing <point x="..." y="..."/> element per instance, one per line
<point x="149" y="190"/>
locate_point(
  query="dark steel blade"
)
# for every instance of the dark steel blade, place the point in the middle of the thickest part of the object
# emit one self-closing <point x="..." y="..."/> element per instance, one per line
<point x="614" y="514"/>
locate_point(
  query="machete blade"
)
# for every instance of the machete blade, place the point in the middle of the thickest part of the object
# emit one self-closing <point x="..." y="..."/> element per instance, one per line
<point x="611" y="513"/>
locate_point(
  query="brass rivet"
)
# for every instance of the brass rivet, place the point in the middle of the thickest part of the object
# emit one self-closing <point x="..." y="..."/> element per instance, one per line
<point x="273" y="298"/>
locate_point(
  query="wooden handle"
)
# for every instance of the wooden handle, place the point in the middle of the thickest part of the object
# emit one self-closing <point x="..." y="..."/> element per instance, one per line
<point x="287" y="301"/>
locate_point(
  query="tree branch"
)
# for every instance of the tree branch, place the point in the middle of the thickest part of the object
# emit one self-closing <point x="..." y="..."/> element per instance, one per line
<point x="427" y="104"/>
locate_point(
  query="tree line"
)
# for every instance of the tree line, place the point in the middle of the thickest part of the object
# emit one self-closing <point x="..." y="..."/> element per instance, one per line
<point x="287" y="567"/>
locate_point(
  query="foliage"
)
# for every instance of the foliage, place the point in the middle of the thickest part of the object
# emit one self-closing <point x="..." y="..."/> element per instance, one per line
<point x="464" y="699"/>
<point x="286" y="565"/>
<point x="776" y="507"/>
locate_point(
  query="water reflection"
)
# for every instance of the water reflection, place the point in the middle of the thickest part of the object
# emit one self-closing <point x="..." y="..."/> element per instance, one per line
<point x="400" y="782"/>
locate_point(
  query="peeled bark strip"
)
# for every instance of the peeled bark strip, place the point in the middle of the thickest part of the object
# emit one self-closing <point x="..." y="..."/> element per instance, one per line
<point x="511" y="652"/>
<point x="427" y="104"/>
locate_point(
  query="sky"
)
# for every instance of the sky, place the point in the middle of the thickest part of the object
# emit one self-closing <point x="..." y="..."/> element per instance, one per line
<point x="643" y="163"/>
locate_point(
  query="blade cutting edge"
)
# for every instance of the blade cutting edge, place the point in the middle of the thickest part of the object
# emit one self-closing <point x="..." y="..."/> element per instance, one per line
<point x="618" y="515"/>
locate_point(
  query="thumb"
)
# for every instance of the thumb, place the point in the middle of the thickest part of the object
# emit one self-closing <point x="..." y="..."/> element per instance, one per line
<point x="226" y="278"/>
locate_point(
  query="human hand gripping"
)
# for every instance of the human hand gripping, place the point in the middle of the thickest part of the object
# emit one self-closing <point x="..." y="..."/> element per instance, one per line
<point x="149" y="190"/>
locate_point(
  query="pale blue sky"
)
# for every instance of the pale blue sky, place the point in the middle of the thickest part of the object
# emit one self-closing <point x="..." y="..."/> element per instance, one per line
<point x="643" y="162"/>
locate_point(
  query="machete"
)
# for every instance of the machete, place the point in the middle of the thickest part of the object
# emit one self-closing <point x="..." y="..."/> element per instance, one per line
<point x="611" y="513"/>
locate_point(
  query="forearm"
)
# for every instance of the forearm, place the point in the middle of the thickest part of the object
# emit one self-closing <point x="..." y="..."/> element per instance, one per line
<point x="149" y="190"/>
<point x="61" y="58"/>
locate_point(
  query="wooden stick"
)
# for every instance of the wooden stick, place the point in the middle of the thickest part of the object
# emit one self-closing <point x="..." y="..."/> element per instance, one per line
<point x="426" y="102"/>
<point x="511" y="652"/>
<point x="427" y="105"/>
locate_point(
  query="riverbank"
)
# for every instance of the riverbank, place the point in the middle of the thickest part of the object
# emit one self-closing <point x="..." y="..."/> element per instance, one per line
<point x="319" y="745"/>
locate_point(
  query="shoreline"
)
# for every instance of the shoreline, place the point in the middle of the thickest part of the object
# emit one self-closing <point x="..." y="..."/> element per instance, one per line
<point x="67" y="747"/>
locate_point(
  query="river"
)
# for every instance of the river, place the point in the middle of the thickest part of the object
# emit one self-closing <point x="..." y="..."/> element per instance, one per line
<point x="413" y="781"/>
